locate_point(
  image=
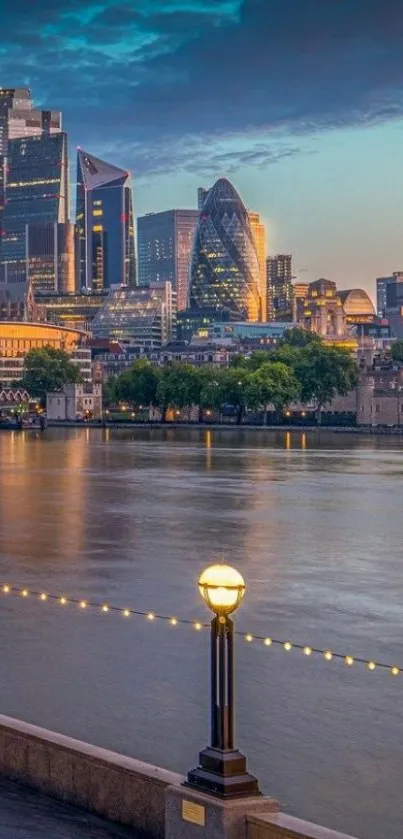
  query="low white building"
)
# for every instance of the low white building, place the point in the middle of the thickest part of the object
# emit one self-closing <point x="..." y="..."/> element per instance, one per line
<point x="75" y="402"/>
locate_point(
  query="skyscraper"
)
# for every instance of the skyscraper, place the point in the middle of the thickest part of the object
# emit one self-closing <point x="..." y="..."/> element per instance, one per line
<point x="50" y="257"/>
<point x="279" y="287"/>
<point x="225" y="274"/>
<point x="37" y="194"/>
<point x="18" y="118"/>
<point x="105" y="225"/>
<point x="388" y="292"/>
<point x="165" y="243"/>
<point x="259" y="238"/>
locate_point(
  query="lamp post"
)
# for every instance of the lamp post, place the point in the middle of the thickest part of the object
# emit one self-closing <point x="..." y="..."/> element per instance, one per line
<point x="222" y="770"/>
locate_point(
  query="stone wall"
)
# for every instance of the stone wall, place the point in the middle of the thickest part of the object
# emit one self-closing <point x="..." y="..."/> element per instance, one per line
<point x="118" y="788"/>
<point x="280" y="826"/>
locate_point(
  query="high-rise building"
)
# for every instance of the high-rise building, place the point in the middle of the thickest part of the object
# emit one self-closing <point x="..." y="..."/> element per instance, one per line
<point x="143" y="317"/>
<point x="225" y="274"/>
<point x="50" y="257"/>
<point x="37" y="194"/>
<point x="389" y="291"/>
<point x="18" y="118"/>
<point x="279" y="287"/>
<point x="202" y="194"/>
<point x="105" y="225"/>
<point x="259" y="237"/>
<point x="165" y="243"/>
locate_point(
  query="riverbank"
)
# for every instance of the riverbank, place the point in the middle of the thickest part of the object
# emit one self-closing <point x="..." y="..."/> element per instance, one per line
<point x="293" y="429"/>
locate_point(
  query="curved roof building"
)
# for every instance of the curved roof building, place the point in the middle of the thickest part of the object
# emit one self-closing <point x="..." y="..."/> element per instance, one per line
<point x="225" y="268"/>
<point x="357" y="306"/>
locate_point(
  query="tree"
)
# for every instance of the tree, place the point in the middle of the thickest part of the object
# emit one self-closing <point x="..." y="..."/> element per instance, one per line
<point x="272" y="383"/>
<point x="323" y="371"/>
<point x="298" y="338"/>
<point x="179" y="387"/>
<point x="139" y="384"/>
<point x="396" y="351"/>
<point x="228" y="387"/>
<point x="109" y="390"/>
<point x="47" y="370"/>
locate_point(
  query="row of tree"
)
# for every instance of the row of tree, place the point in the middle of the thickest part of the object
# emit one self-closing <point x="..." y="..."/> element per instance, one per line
<point x="301" y="368"/>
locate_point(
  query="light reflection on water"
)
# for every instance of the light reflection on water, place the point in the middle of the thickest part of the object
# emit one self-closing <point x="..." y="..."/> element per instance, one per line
<point x="315" y="525"/>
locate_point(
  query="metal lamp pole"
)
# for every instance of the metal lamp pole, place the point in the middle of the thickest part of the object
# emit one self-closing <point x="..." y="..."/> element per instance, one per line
<point x="222" y="770"/>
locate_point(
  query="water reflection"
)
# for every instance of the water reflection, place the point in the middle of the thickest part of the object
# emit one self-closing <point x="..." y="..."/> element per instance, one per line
<point x="314" y="523"/>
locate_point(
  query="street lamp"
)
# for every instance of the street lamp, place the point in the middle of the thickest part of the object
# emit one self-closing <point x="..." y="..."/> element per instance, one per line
<point x="222" y="770"/>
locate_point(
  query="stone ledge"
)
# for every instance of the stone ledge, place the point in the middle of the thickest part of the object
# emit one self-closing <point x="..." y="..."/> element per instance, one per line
<point x="281" y="826"/>
<point x="119" y="788"/>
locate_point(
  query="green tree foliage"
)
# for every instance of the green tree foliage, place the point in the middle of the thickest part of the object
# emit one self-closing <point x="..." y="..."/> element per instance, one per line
<point x="180" y="386"/>
<point x="272" y="383"/>
<point x="324" y="371"/>
<point x="396" y="351"/>
<point x="47" y="370"/>
<point x="227" y="387"/>
<point x="298" y="338"/>
<point x="109" y="391"/>
<point x="139" y="385"/>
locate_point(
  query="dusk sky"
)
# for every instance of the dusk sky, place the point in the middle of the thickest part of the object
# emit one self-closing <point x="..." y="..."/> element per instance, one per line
<point x="298" y="102"/>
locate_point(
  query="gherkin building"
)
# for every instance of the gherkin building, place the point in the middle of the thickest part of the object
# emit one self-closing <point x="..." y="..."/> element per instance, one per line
<point x="225" y="269"/>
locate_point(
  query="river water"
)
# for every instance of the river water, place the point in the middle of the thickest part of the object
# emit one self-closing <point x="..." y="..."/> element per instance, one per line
<point x="315" y="524"/>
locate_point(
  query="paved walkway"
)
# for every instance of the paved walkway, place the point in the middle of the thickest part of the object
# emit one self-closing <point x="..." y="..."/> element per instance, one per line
<point x="25" y="814"/>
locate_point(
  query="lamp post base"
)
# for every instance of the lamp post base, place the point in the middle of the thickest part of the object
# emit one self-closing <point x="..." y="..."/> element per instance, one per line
<point x="224" y="774"/>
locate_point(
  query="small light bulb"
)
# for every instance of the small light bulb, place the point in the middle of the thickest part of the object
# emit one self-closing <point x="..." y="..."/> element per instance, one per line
<point x="150" y="616"/>
<point x="83" y="604"/>
<point x="307" y="650"/>
<point x="288" y="645"/>
<point x="105" y="608"/>
<point x="173" y="621"/>
<point x="198" y="625"/>
<point x="249" y="638"/>
<point x="44" y="596"/>
<point x="371" y="665"/>
<point x="349" y="660"/>
<point x="328" y="655"/>
<point x="6" y="589"/>
<point x="395" y="671"/>
<point x="24" y="593"/>
<point x="126" y="613"/>
<point x="63" y="601"/>
<point x="268" y="642"/>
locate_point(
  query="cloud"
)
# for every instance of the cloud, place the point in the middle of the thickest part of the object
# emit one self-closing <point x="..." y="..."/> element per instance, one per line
<point x="168" y="82"/>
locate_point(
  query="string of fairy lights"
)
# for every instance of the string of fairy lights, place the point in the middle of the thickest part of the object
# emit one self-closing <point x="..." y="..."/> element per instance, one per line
<point x="326" y="655"/>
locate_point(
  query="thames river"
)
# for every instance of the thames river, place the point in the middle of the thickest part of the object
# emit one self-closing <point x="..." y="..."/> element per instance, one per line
<point x="315" y="524"/>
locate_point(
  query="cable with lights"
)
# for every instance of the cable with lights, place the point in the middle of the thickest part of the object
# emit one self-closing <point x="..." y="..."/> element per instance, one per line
<point x="104" y="608"/>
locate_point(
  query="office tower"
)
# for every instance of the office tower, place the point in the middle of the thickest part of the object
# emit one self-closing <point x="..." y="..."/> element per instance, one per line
<point x="202" y="194"/>
<point x="259" y="238"/>
<point x="165" y="243"/>
<point x="50" y="257"/>
<point x="143" y="317"/>
<point x="18" y="118"/>
<point x="299" y="295"/>
<point x="389" y="292"/>
<point x="225" y="274"/>
<point x="279" y="287"/>
<point x="37" y="193"/>
<point x="105" y="225"/>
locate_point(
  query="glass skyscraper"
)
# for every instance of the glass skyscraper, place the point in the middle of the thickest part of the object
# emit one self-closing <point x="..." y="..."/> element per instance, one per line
<point x="105" y="225"/>
<point x="225" y="274"/>
<point x="36" y="193"/>
<point x="165" y="243"/>
<point x="19" y="118"/>
<point x="279" y="287"/>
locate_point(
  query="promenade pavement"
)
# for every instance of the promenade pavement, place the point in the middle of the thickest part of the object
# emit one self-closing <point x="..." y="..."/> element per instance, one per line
<point x="25" y="814"/>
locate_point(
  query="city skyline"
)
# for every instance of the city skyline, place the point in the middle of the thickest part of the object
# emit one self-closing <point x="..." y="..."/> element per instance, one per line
<point x="307" y="124"/>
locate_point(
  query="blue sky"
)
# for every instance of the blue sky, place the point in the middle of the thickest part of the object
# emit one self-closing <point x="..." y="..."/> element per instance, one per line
<point x="298" y="102"/>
